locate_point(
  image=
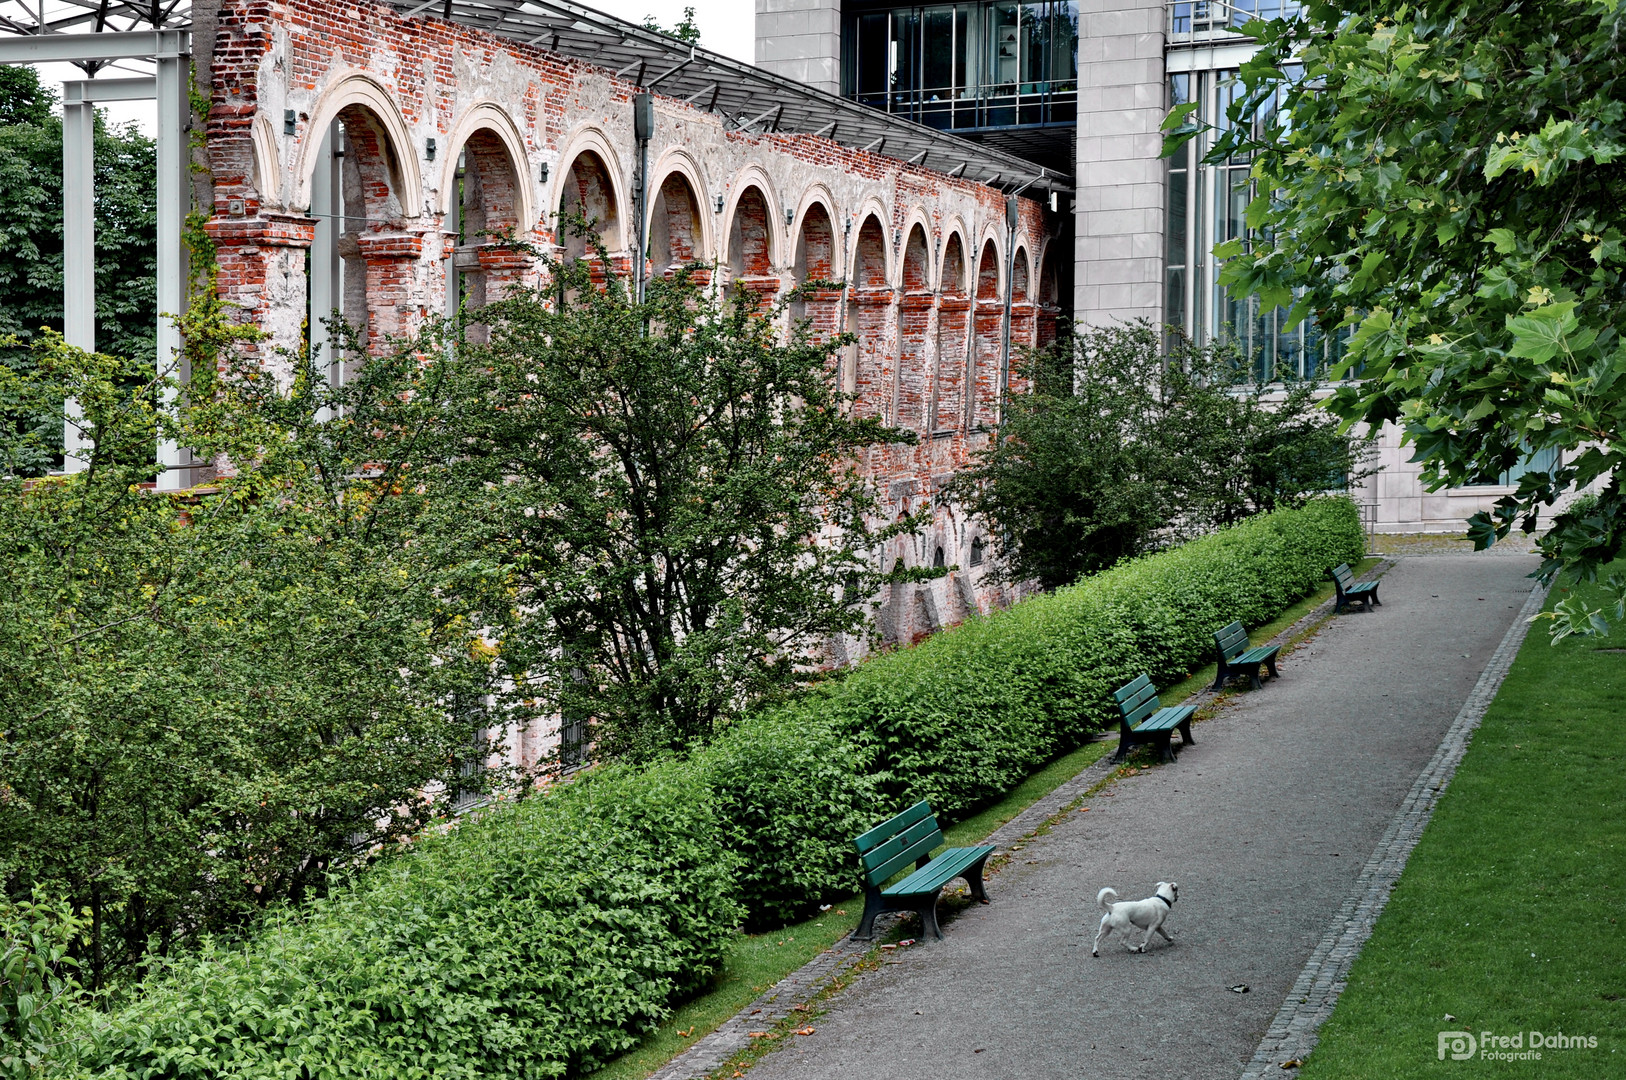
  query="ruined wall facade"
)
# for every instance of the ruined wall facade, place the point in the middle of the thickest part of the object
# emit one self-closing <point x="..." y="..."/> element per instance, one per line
<point x="923" y="254"/>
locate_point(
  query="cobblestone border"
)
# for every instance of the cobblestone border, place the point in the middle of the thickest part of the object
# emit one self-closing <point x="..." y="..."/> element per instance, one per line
<point x="803" y="984"/>
<point x="1297" y="1026"/>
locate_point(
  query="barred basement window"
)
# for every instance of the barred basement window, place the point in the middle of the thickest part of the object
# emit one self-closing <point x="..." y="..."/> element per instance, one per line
<point x="976" y="552"/>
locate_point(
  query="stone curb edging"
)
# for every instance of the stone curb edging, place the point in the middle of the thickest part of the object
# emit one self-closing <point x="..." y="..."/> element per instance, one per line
<point x="1297" y="1025"/>
<point x="803" y="984"/>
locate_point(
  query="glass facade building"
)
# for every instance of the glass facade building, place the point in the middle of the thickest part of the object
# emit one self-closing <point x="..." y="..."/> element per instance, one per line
<point x="965" y="67"/>
<point x="1207" y="206"/>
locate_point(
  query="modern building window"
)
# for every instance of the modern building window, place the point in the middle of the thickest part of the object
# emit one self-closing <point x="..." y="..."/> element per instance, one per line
<point x="1207" y="206"/>
<point x="1215" y="20"/>
<point x="965" y="66"/>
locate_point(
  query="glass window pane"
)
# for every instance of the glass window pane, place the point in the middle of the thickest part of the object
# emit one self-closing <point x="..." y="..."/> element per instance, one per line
<point x="1176" y="252"/>
<point x="1004" y="51"/>
<point x="1064" y="45"/>
<point x="872" y="67"/>
<point x="905" y="59"/>
<point x="1035" y="46"/>
<point x="938" y="46"/>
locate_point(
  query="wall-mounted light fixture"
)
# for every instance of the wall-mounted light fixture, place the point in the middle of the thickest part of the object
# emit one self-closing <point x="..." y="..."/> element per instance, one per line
<point x="719" y="204"/>
<point x="542" y="173"/>
<point x="429" y="149"/>
<point x="790" y="216"/>
<point x="287" y="121"/>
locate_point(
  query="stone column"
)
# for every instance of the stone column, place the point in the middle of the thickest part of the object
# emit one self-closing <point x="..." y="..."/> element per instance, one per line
<point x="261" y="280"/>
<point x="396" y="303"/>
<point x="912" y="389"/>
<point x="984" y="389"/>
<point x="874" y="317"/>
<point x="948" y="389"/>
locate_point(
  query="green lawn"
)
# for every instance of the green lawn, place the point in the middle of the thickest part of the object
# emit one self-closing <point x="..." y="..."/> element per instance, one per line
<point x="1508" y="916"/>
<point x="758" y="961"/>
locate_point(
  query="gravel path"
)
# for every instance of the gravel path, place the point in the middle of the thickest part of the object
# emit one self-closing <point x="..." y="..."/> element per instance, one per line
<point x="1266" y="824"/>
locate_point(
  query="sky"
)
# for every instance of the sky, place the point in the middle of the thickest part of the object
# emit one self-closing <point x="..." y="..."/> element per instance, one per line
<point x="726" y="26"/>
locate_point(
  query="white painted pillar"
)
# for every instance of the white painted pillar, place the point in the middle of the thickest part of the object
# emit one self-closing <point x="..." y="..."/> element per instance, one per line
<point x="326" y="269"/>
<point x="78" y="254"/>
<point x="174" y="201"/>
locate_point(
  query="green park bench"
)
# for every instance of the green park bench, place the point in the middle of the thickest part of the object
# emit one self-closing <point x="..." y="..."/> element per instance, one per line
<point x="1350" y="591"/>
<point x="1144" y="721"/>
<point x="1237" y="656"/>
<point x="909" y="838"/>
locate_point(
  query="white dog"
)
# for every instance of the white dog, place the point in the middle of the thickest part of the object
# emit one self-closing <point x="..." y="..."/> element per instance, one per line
<point x="1147" y="914"/>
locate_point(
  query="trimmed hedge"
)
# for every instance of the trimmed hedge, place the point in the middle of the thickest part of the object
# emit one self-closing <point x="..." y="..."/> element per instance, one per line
<point x="534" y="941"/>
<point x="966" y="715"/>
<point x="542" y="939"/>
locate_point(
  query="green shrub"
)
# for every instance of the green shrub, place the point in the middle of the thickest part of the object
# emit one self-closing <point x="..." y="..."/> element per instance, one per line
<point x="966" y="715"/>
<point x="528" y="942"/>
<point x="792" y="792"/>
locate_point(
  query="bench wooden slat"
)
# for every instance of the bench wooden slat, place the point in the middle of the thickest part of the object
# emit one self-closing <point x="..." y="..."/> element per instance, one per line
<point x="939" y="872"/>
<point x="1364" y="593"/>
<point x="907" y="838"/>
<point x="1232" y="640"/>
<point x="1137" y="685"/>
<point x="892" y="826"/>
<point x="916" y="851"/>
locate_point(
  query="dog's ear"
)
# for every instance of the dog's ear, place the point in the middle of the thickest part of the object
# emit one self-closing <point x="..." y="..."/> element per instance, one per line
<point x="1174" y="887"/>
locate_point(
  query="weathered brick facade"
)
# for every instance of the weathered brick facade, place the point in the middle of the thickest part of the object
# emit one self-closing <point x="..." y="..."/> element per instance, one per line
<point x="539" y="132"/>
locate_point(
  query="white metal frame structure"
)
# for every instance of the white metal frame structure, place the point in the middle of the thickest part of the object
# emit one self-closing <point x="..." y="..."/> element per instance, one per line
<point x="170" y="52"/>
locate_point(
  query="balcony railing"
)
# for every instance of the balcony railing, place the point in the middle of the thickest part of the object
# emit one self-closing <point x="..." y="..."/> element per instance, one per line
<point x="981" y="107"/>
<point x="1211" y="21"/>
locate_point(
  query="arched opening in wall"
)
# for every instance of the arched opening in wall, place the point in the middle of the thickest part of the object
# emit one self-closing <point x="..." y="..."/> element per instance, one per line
<point x="750" y="245"/>
<point x="909" y="389"/>
<point x="587" y="195"/>
<point x="952" y="317"/>
<point x="982" y="360"/>
<point x="484" y="215"/>
<point x="675" y="238"/>
<point x="815" y="261"/>
<point x="355" y="195"/>
<point x="871" y="296"/>
<point x="1049" y="300"/>
<point x="1022" y="322"/>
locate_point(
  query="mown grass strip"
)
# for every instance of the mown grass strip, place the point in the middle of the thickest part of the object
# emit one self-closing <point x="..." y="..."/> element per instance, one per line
<point x="1507" y="917"/>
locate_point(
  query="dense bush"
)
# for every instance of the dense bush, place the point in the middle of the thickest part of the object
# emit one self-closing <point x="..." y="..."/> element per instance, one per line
<point x="534" y="940"/>
<point x="966" y="715"/>
<point x="543" y="938"/>
<point x="793" y="791"/>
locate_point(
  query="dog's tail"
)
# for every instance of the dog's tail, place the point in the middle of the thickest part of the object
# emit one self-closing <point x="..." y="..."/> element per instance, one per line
<point x="1104" y="903"/>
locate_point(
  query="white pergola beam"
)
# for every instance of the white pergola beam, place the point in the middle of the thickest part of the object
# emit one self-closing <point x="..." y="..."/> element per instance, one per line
<point x="142" y="89"/>
<point x="88" y="48"/>
<point x="78" y="258"/>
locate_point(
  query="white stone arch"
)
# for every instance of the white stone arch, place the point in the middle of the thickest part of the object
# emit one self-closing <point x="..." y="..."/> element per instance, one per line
<point x="360" y="88"/>
<point x="871" y="207"/>
<point x="916" y="216"/>
<point x="994" y="234"/>
<point x="267" y="162"/>
<point x="954" y="227"/>
<point x="583" y="138"/>
<point x="818" y="194"/>
<point x="1022" y="266"/>
<point x="677" y="159"/>
<point x="754" y="176"/>
<point x="492" y="117"/>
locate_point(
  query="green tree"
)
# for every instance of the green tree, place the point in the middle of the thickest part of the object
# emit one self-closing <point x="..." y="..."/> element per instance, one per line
<point x="31" y="236"/>
<point x="1444" y="180"/>
<point x="1121" y="446"/>
<point x="211" y="702"/>
<point x="688" y="30"/>
<point x="673" y="486"/>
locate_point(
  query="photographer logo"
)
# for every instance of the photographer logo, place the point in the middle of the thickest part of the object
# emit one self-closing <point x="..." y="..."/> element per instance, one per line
<point x="1459" y="1044"/>
<point x="1519" y="1046"/>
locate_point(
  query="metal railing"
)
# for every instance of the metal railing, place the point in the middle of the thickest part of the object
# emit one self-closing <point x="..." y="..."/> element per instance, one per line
<point x="1210" y="21"/>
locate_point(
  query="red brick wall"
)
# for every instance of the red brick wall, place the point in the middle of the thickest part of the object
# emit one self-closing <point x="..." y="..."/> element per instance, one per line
<point x="866" y="214"/>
